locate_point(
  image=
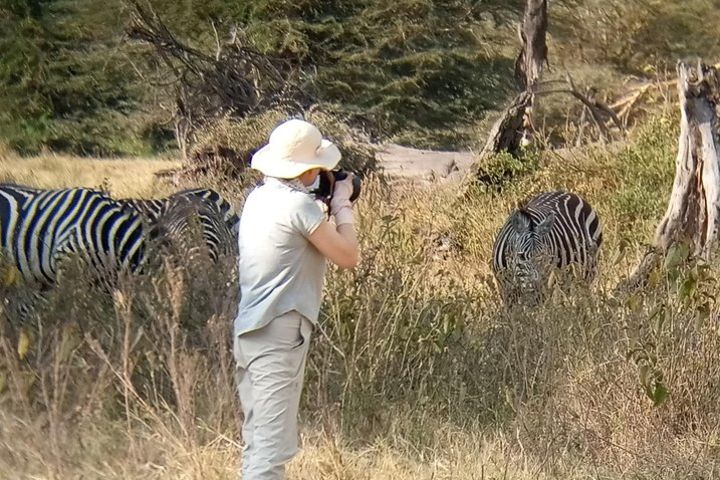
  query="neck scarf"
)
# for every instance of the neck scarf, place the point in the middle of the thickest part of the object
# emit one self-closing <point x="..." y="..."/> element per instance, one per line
<point x="292" y="183"/>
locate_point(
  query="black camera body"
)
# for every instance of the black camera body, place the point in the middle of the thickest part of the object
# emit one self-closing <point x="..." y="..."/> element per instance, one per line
<point x="325" y="190"/>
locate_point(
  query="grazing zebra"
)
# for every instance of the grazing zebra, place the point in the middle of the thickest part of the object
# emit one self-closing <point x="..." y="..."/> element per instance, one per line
<point x="551" y="230"/>
<point x="153" y="208"/>
<point x="172" y="215"/>
<point x="183" y="217"/>
<point x="40" y="228"/>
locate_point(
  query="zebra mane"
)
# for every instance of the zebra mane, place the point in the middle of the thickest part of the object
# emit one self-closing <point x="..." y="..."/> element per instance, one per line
<point x="523" y="220"/>
<point x="195" y="190"/>
<point x="522" y="204"/>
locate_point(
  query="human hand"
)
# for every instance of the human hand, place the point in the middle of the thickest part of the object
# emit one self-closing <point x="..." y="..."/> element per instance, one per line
<point x="342" y="191"/>
<point x="340" y="205"/>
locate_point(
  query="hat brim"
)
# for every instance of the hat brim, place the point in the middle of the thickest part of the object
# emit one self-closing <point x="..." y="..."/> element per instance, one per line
<point x="272" y="164"/>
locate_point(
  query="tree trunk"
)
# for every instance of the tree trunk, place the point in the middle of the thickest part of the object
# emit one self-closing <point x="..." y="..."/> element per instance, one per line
<point x="533" y="50"/>
<point x="693" y="212"/>
<point x="514" y="127"/>
<point x="506" y="134"/>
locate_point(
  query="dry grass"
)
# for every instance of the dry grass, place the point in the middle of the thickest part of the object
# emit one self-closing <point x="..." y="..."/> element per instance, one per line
<point x="417" y="374"/>
<point x="126" y="177"/>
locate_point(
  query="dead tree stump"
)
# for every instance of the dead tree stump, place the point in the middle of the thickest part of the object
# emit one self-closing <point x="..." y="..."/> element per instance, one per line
<point x="533" y="50"/>
<point x="513" y="129"/>
<point x="693" y="213"/>
<point x="506" y="134"/>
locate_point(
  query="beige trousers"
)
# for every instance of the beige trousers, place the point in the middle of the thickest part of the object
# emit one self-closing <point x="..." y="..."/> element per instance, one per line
<point x="270" y="372"/>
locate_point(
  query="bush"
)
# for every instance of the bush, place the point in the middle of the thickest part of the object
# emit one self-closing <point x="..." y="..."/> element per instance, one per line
<point x="227" y="145"/>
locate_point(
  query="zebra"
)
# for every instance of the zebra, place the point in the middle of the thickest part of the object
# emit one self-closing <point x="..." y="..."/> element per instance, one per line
<point x="35" y="254"/>
<point x="177" y="224"/>
<point x="170" y="216"/>
<point x="549" y="230"/>
<point x="40" y="228"/>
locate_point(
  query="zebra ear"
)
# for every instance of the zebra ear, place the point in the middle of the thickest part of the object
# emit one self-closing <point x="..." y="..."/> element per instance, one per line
<point x="547" y="223"/>
<point x="520" y="221"/>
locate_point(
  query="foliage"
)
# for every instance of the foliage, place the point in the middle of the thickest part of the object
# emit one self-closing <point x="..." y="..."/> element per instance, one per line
<point x="637" y="36"/>
<point x="414" y="353"/>
<point x="65" y="85"/>
<point x="418" y="72"/>
<point x="499" y="169"/>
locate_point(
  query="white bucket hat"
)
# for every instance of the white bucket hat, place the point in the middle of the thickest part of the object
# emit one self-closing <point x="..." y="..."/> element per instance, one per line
<point x="295" y="147"/>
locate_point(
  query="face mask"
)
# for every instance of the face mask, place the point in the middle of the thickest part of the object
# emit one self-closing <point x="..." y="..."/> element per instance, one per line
<point x="315" y="185"/>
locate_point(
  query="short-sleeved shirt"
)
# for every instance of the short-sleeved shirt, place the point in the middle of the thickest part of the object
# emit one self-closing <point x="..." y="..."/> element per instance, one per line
<point x="279" y="269"/>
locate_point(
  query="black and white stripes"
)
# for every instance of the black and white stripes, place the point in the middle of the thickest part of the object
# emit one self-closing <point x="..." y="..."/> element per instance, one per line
<point x="172" y="218"/>
<point x="551" y="230"/>
<point x="188" y="223"/>
<point x="39" y="228"/>
<point x="153" y="209"/>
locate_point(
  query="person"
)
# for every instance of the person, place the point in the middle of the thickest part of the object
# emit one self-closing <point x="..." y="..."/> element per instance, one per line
<point x="284" y="239"/>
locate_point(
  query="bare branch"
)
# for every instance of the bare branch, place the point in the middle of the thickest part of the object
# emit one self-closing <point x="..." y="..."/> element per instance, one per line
<point x="217" y="41"/>
<point x="234" y="80"/>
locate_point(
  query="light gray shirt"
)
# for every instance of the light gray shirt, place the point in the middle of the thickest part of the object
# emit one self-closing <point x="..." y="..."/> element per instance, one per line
<point x="279" y="269"/>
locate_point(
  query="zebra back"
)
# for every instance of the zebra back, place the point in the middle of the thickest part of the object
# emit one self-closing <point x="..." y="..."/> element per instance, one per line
<point x="152" y="209"/>
<point x="558" y="228"/>
<point x="42" y="227"/>
<point x="222" y="205"/>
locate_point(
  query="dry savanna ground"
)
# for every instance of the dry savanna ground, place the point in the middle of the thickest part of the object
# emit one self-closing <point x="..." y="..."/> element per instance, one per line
<point x="418" y="373"/>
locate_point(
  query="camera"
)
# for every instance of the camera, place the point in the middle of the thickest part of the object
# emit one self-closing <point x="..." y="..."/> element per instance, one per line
<point x="326" y="187"/>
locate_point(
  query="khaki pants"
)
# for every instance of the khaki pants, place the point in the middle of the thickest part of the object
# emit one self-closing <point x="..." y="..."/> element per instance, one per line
<point x="270" y="371"/>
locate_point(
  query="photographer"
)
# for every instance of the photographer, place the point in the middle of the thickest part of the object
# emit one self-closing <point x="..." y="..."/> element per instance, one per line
<point x="284" y="242"/>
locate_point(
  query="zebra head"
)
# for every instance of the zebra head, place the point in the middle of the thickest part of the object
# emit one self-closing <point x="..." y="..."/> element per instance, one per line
<point x="226" y="209"/>
<point x="529" y="251"/>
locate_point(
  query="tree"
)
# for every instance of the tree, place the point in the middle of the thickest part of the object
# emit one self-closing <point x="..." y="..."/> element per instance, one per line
<point x="693" y="214"/>
<point x="64" y="82"/>
<point x="514" y="127"/>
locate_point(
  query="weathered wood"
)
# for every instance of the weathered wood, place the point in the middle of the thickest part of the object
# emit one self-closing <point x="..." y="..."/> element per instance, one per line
<point x="514" y="128"/>
<point x="693" y="213"/>
<point x="533" y="51"/>
<point x="506" y="134"/>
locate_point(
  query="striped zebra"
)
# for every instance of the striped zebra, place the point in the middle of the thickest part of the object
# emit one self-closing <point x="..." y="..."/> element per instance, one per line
<point x="153" y="208"/>
<point x="550" y="230"/>
<point x="41" y="228"/>
<point x="171" y="218"/>
<point x="186" y="223"/>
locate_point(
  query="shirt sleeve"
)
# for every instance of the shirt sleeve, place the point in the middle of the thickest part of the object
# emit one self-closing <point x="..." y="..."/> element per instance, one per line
<point x="307" y="216"/>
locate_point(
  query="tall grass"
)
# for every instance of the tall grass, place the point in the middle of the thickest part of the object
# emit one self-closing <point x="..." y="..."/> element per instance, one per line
<point x="417" y="371"/>
<point x="127" y="177"/>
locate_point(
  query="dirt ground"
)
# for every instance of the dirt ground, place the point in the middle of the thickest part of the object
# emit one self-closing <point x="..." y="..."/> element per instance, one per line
<point x="425" y="165"/>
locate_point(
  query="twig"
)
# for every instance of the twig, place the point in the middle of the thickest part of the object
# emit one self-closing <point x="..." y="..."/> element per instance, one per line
<point x="217" y="41"/>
